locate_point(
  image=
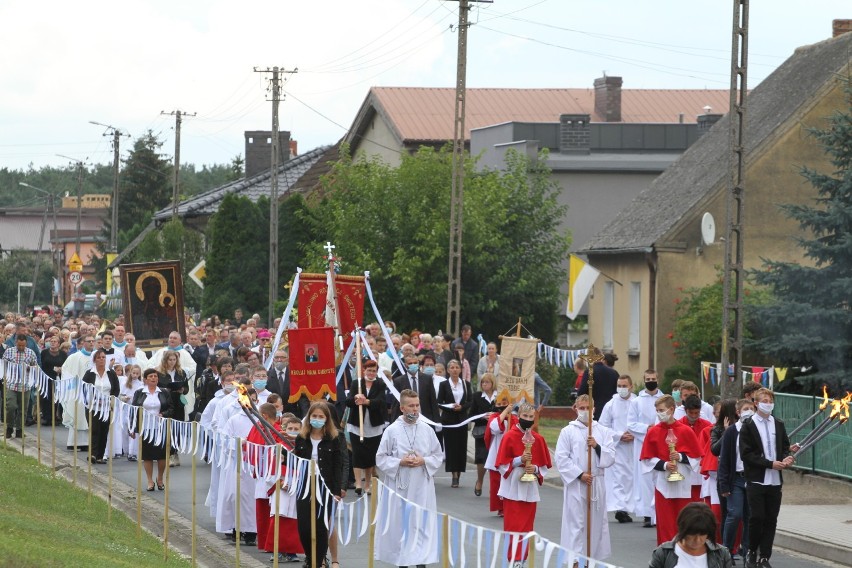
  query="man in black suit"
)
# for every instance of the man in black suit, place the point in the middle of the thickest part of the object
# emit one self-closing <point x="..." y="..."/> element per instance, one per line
<point x="278" y="381"/>
<point x="606" y="385"/>
<point x="419" y="382"/>
<point x="202" y="353"/>
<point x="765" y="451"/>
<point x="232" y="344"/>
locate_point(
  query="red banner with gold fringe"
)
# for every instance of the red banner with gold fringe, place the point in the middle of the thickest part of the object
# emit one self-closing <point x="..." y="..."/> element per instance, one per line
<point x="312" y="363"/>
<point x="313" y="290"/>
<point x="350" y="302"/>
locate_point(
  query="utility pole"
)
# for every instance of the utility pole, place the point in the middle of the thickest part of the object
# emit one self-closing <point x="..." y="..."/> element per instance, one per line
<point x="50" y="206"/>
<point x="79" y="198"/>
<point x="273" y="191"/>
<point x="116" y="138"/>
<point x="178" y="114"/>
<point x="732" y="312"/>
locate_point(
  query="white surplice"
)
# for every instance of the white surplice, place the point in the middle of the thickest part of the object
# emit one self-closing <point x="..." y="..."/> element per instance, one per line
<point x="74" y="415"/>
<point x="416" y="484"/>
<point x="619" y="477"/>
<point x="207" y="425"/>
<point x="572" y="460"/>
<point x="642" y="415"/>
<point x="238" y="426"/>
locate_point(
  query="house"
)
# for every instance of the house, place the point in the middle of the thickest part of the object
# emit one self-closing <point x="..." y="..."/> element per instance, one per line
<point x="654" y="247"/>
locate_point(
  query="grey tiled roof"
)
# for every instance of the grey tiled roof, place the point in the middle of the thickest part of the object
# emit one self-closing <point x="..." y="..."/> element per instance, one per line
<point x="704" y="166"/>
<point x="207" y="203"/>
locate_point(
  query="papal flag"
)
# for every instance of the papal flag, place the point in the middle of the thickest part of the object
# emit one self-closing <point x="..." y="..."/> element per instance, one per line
<point x="581" y="278"/>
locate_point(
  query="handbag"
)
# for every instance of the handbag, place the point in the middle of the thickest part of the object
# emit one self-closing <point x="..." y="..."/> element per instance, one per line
<point x="478" y="431"/>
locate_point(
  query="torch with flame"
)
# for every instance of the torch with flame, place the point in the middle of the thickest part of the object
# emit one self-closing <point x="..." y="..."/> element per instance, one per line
<point x="839" y="411"/>
<point x="268" y="430"/>
<point x="809" y="419"/>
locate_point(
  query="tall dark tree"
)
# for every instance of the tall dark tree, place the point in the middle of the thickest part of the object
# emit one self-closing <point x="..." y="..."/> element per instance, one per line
<point x="145" y="184"/>
<point x="810" y="325"/>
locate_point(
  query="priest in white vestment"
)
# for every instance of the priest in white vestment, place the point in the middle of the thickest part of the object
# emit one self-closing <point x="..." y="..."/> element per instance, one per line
<point x="74" y="415"/>
<point x="642" y="416"/>
<point x="409" y="456"/>
<point x="619" y="477"/>
<point x="572" y="461"/>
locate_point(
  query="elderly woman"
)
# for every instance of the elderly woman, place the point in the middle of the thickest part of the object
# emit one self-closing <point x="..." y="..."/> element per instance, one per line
<point x="695" y="542"/>
<point x="154" y="400"/>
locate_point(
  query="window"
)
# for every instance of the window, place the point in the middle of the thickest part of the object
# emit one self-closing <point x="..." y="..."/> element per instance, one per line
<point x="635" y="317"/>
<point x="608" y="314"/>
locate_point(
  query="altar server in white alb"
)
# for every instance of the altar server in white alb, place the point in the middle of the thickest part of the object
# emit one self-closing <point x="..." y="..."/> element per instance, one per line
<point x="619" y="477"/>
<point x="572" y="461"/>
<point x="74" y="414"/>
<point x="642" y="416"/>
<point x="409" y="456"/>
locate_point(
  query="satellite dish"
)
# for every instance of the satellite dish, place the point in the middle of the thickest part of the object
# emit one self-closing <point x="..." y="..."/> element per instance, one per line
<point x="708" y="229"/>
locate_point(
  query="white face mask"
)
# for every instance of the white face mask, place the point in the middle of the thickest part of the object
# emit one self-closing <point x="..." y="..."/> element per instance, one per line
<point x="663" y="416"/>
<point x="623" y="392"/>
<point x="765" y="407"/>
<point x="746" y="414"/>
<point x="583" y="416"/>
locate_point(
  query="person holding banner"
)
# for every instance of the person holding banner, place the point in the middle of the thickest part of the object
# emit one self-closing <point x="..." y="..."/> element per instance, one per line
<point x="516" y="458"/>
<point x="409" y="457"/>
<point x="369" y="394"/>
<point x="501" y="420"/>
<point x="455" y="399"/>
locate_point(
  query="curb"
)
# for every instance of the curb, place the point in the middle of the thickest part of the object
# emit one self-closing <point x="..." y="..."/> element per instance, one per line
<point x="822" y="549"/>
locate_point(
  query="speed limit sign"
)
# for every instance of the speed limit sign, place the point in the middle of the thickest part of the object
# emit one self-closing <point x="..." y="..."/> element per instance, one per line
<point x="75" y="277"/>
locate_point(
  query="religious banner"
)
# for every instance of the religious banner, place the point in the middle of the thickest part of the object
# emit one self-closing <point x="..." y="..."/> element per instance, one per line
<point x="152" y="297"/>
<point x="516" y="379"/>
<point x="312" y="363"/>
<point x="313" y="292"/>
<point x="350" y="302"/>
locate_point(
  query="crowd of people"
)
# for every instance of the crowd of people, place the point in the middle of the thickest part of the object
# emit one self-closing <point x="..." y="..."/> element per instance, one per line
<point x="667" y="458"/>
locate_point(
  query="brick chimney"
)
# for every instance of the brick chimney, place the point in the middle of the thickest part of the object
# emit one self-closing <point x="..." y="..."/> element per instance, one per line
<point x="574" y="134"/>
<point x="840" y="27"/>
<point x="259" y="150"/>
<point x="608" y="98"/>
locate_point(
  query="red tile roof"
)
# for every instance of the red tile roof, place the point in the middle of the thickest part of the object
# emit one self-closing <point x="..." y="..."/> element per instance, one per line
<point x="419" y="114"/>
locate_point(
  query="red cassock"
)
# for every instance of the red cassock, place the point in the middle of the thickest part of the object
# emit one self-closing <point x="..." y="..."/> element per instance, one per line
<point x="495" y="504"/>
<point x="261" y="505"/>
<point x="710" y="463"/>
<point x="519" y="515"/>
<point x="655" y="446"/>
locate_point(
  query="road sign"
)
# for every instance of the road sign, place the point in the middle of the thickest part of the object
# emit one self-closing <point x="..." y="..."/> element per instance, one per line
<point x="75" y="264"/>
<point x="75" y="277"/>
<point x="198" y="273"/>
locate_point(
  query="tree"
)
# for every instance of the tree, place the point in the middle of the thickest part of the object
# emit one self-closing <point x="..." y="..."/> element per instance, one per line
<point x="18" y="266"/>
<point x="394" y="221"/>
<point x="810" y="323"/>
<point x="145" y="185"/>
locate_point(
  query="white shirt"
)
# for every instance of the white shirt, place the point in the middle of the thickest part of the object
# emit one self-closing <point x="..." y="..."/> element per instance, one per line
<point x="771" y="476"/>
<point x="740" y="466"/>
<point x="152" y="401"/>
<point x="315" y="444"/>
<point x="458" y="390"/>
<point x="686" y="560"/>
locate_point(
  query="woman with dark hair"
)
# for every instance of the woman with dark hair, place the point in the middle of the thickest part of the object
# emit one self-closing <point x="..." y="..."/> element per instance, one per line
<point x="694" y="545"/>
<point x="105" y="383"/>
<point x="369" y="394"/>
<point x="455" y="399"/>
<point x="156" y="401"/>
<point x="318" y="441"/>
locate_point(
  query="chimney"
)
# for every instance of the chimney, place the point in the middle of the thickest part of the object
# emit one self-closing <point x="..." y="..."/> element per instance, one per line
<point x="259" y="150"/>
<point x="707" y="120"/>
<point x="574" y="134"/>
<point x="608" y="98"/>
<point x="294" y="148"/>
<point x="840" y="27"/>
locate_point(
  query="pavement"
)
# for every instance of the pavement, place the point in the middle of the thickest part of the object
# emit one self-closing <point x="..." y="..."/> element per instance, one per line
<point x="814" y="531"/>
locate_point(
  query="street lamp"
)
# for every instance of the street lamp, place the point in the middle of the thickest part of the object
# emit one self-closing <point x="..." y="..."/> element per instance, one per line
<point x="50" y="206"/>
<point x="23" y="285"/>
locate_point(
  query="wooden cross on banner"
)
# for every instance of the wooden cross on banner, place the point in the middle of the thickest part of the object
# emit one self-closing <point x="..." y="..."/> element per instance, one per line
<point x="593" y="355"/>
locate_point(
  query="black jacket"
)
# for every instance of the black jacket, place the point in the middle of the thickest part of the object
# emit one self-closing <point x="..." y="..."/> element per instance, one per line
<point x="728" y="459"/>
<point x="114" y="385"/>
<point x="426" y="392"/>
<point x="606" y="383"/>
<point x="164" y="396"/>
<point x="376" y="411"/>
<point x="480" y="406"/>
<point x="751" y="449"/>
<point x="664" y="556"/>
<point x="445" y="396"/>
<point x="328" y="459"/>
<point x="273" y="384"/>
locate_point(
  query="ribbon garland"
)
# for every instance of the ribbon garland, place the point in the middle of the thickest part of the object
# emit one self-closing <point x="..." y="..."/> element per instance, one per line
<point x="557" y="356"/>
<point x="712" y="372"/>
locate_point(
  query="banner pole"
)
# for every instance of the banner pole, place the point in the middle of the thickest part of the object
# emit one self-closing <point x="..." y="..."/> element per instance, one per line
<point x="312" y="480"/>
<point x="237" y="506"/>
<point x="166" y="492"/>
<point x="358" y="381"/>
<point x="277" y="520"/>
<point x="139" y="412"/>
<point x="194" y="470"/>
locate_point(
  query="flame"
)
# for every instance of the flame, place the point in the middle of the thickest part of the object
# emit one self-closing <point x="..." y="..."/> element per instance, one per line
<point x="824" y="404"/>
<point x="841" y="406"/>
<point x="242" y="396"/>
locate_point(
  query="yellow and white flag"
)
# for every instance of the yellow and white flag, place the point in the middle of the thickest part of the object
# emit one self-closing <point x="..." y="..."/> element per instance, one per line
<point x="581" y="278"/>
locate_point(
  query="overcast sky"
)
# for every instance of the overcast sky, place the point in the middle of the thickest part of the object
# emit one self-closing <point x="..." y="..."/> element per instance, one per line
<point x="122" y="63"/>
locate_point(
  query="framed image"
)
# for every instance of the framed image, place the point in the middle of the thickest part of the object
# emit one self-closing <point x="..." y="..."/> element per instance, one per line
<point x="153" y="301"/>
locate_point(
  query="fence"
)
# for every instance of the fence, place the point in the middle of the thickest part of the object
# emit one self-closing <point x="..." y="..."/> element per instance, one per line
<point x="832" y="454"/>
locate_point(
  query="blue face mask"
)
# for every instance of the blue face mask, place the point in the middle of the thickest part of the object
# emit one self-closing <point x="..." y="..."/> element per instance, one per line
<point x="413" y="368"/>
<point x="429" y="370"/>
<point x="317" y="423"/>
<point x="259" y="385"/>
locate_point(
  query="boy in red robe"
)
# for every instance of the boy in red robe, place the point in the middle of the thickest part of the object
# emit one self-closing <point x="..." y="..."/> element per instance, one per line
<point x="658" y="461"/>
<point x="692" y="407"/>
<point x="514" y="460"/>
<point x="261" y="499"/>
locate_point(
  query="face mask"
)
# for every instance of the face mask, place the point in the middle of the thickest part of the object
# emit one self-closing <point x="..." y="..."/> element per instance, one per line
<point x="411" y="417"/>
<point x="651" y="385"/>
<point x="428" y="370"/>
<point x="663" y="416"/>
<point x="623" y="392"/>
<point x="279" y="365"/>
<point x="525" y="424"/>
<point x="583" y="416"/>
<point x="229" y="388"/>
<point x="675" y="396"/>
<point x="278" y="414"/>
<point x="292" y="433"/>
<point x="317" y="423"/>
<point x="413" y="368"/>
<point x="259" y="385"/>
<point x="765" y="407"/>
<point x="746" y="414"/>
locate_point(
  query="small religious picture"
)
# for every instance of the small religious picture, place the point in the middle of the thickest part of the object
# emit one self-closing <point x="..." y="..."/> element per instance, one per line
<point x="311" y="353"/>
<point x="517" y="366"/>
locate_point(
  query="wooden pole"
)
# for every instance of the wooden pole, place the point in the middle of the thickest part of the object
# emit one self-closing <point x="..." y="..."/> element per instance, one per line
<point x="277" y="520"/>
<point x="91" y="404"/>
<point x="194" y="471"/>
<point x="109" y="459"/>
<point x="53" y="429"/>
<point x="518" y="329"/>
<point x="358" y="381"/>
<point x="237" y="502"/>
<point x="445" y="551"/>
<point x="166" y="492"/>
<point x="372" y="546"/>
<point x="24" y="414"/>
<point x="5" y="414"/>
<point x="74" y="436"/>
<point x="531" y="552"/>
<point x="592" y="356"/>
<point x="313" y="481"/>
<point x="139" y="412"/>
<point x="38" y="427"/>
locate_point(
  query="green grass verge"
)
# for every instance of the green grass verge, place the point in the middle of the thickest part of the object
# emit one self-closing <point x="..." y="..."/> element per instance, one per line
<point x="46" y="521"/>
<point x="550" y="428"/>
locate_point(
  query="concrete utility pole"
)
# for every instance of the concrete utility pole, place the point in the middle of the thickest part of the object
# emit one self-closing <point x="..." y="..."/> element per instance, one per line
<point x="80" y="166"/>
<point x="732" y="312"/>
<point x="116" y="138"/>
<point x="178" y="114"/>
<point x="275" y="83"/>
<point x="50" y="206"/>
